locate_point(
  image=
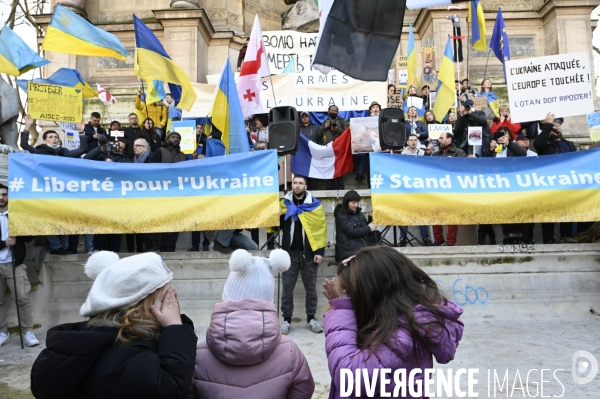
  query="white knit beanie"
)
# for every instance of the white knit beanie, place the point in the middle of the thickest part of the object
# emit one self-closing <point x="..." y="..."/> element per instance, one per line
<point x="251" y="276"/>
<point x="121" y="283"/>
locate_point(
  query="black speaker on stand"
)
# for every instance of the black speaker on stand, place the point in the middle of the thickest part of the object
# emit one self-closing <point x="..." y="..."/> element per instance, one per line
<point x="283" y="130"/>
<point x="392" y="131"/>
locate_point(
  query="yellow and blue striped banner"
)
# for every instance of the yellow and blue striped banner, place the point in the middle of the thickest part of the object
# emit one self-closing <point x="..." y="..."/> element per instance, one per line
<point x="419" y="191"/>
<point x="56" y="195"/>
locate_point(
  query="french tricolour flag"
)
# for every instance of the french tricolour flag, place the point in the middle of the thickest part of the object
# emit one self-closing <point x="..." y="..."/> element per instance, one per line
<point x="323" y="161"/>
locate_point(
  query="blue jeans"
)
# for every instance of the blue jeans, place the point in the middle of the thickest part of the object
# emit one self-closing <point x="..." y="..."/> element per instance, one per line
<point x="360" y="162"/>
<point x="228" y="238"/>
<point x="196" y="239"/>
<point x="58" y="242"/>
<point x="424" y="230"/>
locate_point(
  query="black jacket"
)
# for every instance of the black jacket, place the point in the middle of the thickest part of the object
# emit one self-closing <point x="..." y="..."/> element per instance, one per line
<point x="131" y="135"/>
<point x="96" y="155"/>
<point x="352" y="232"/>
<point x="44" y="149"/>
<point x="532" y="129"/>
<point x="19" y="250"/>
<point x="80" y="363"/>
<point x="476" y="118"/>
<point x="310" y="131"/>
<point x="544" y="145"/>
<point x="513" y="150"/>
<point x="90" y="132"/>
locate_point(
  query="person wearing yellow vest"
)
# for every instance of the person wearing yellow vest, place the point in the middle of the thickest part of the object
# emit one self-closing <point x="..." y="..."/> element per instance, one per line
<point x="155" y="111"/>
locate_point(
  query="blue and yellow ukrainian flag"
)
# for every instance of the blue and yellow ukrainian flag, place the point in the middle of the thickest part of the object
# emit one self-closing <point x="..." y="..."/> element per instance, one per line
<point x="64" y="77"/>
<point x="291" y="66"/>
<point x="153" y="63"/>
<point x="312" y="217"/>
<point x="71" y="34"/>
<point x="15" y="55"/>
<point x="412" y="59"/>
<point x="446" y="92"/>
<point x="226" y="113"/>
<point x="477" y="18"/>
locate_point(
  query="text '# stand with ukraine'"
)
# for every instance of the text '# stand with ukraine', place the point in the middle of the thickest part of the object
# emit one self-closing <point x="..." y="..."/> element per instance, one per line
<point x="445" y="191"/>
<point x="220" y="193"/>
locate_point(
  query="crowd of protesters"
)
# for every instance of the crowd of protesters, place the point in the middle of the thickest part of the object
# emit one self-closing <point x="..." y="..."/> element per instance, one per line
<point x="150" y="143"/>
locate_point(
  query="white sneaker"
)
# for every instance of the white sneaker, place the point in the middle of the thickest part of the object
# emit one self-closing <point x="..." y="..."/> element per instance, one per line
<point x="30" y="339"/>
<point x="314" y="326"/>
<point x="285" y="328"/>
<point x="4" y="337"/>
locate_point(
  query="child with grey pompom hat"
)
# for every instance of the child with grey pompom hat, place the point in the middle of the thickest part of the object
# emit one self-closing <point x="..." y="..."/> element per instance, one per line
<point x="244" y="348"/>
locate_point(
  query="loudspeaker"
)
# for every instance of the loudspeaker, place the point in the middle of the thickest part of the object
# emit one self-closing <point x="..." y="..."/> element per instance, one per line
<point x="392" y="131"/>
<point x="283" y="130"/>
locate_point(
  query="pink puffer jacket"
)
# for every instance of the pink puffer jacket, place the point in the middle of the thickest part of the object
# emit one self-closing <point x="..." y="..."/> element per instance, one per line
<point x="245" y="356"/>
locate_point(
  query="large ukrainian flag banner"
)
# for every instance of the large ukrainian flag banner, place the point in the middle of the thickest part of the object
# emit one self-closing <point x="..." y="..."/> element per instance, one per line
<point x="420" y="191"/>
<point x="71" y="34"/>
<point x="55" y="195"/>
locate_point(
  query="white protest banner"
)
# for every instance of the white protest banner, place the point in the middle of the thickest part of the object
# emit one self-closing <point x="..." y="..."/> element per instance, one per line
<point x="412" y="101"/>
<point x="64" y="126"/>
<point x="560" y="84"/>
<point x="283" y="45"/>
<point x="308" y="91"/>
<point x="436" y="130"/>
<point x="118" y="133"/>
<point x="72" y="140"/>
<point x="365" y="134"/>
<point x="475" y="135"/>
<point x="315" y="92"/>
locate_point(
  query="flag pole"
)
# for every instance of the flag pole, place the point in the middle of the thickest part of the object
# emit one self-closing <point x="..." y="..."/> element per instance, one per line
<point x="469" y="49"/>
<point x="486" y="63"/>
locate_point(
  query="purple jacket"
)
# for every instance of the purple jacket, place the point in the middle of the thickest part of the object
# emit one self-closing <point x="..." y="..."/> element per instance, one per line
<point x="343" y="352"/>
<point x="245" y="356"/>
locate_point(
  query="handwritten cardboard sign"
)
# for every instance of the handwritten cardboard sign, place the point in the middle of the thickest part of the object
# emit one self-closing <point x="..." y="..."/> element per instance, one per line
<point x="55" y="103"/>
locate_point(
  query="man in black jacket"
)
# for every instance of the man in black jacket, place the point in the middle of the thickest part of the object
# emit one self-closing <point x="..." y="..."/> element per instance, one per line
<point x="550" y="142"/>
<point x="93" y="130"/>
<point x="304" y="259"/>
<point x="308" y="129"/>
<point x="132" y="133"/>
<point x="472" y="117"/>
<point x="9" y="247"/>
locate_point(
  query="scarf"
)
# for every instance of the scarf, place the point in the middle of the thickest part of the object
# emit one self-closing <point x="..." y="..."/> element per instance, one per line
<point x="142" y="157"/>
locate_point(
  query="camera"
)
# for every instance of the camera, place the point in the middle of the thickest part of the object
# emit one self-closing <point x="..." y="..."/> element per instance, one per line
<point x="334" y="124"/>
<point x="467" y="108"/>
<point x="110" y="147"/>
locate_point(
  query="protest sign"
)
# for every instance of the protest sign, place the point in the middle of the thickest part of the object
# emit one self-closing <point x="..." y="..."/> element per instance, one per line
<point x="403" y="77"/>
<point x="560" y="84"/>
<point x="402" y="62"/>
<point x="480" y="102"/>
<point x="436" y="130"/>
<point x="118" y="133"/>
<point x="463" y="184"/>
<point x="187" y="130"/>
<point x="220" y="193"/>
<point x="365" y="134"/>
<point x="313" y="91"/>
<point x="412" y="101"/>
<point x="72" y="141"/>
<point x="594" y="125"/>
<point x="283" y="45"/>
<point x="54" y="103"/>
<point x="395" y="101"/>
<point x="432" y="97"/>
<point x="475" y="135"/>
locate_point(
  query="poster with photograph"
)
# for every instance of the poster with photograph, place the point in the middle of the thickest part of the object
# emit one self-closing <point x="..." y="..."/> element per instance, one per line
<point x="594" y="125"/>
<point x="475" y="135"/>
<point x="365" y="134"/>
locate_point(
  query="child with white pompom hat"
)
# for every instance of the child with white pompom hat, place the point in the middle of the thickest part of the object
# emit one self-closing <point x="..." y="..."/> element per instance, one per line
<point x="136" y="344"/>
<point x="244" y="350"/>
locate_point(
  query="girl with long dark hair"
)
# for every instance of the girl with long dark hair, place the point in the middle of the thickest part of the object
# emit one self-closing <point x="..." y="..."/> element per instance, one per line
<point x="149" y="133"/>
<point x="387" y="313"/>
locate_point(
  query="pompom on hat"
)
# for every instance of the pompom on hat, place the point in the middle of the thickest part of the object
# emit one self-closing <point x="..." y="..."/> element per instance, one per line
<point x="251" y="276"/>
<point x="121" y="283"/>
